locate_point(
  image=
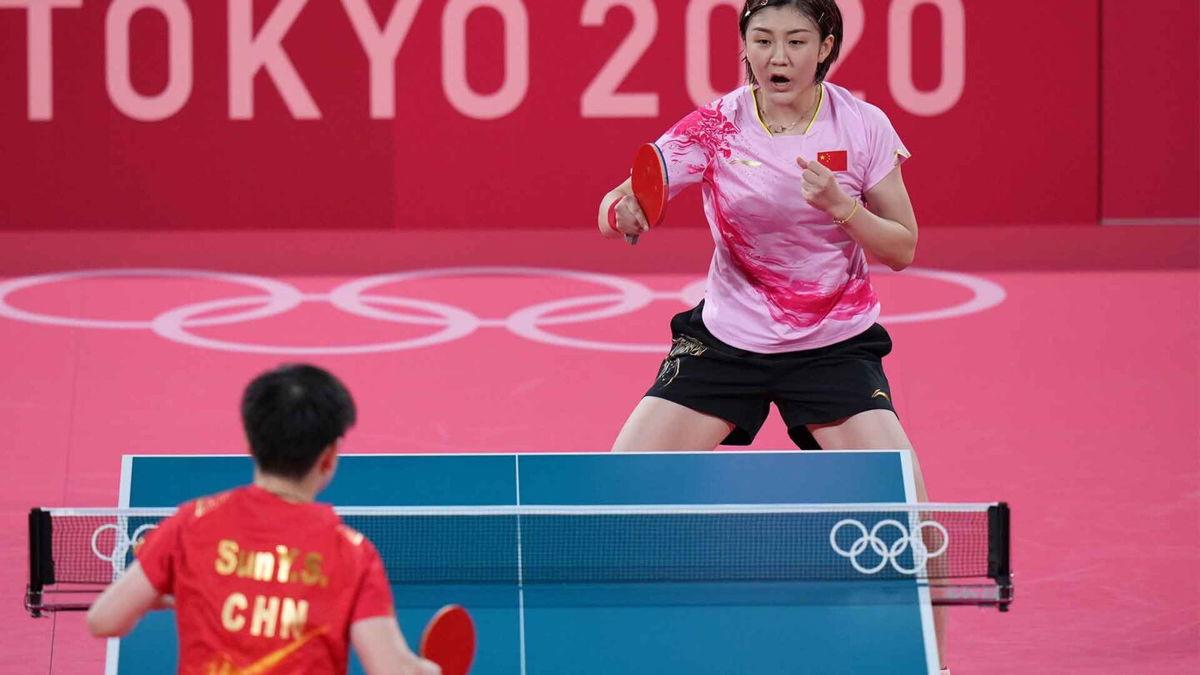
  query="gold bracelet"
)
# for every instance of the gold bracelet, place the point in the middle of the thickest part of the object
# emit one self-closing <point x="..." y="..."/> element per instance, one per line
<point x="845" y="220"/>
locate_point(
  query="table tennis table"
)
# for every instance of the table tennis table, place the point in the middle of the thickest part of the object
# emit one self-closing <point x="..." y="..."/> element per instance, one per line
<point x="695" y="627"/>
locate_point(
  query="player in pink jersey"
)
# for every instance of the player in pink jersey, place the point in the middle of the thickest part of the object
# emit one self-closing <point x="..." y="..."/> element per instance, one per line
<point x="800" y="181"/>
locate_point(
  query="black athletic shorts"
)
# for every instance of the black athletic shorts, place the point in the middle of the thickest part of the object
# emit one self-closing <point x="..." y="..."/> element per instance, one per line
<point x="810" y="386"/>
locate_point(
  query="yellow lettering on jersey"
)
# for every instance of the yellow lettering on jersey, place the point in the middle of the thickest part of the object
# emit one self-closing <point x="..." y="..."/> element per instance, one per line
<point x="283" y="565"/>
<point x="293" y="617"/>
<point x="264" y="566"/>
<point x="286" y="557"/>
<point x="311" y="575"/>
<point x="245" y="568"/>
<point x="265" y="617"/>
<point x="230" y="617"/>
<point x="227" y="554"/>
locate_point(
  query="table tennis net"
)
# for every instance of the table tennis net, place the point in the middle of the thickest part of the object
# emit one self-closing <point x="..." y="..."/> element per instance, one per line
<point x="945" y="545"/>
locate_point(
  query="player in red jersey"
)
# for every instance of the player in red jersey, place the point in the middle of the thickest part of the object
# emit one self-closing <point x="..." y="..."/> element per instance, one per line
<point x="264" y="579"/>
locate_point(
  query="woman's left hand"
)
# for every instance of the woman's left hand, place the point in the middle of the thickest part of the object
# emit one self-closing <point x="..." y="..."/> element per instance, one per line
<point x="820" y="188"/>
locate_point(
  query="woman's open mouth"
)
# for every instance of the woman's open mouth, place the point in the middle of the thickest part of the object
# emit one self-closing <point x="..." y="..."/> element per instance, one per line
<point x="780" y="81"/>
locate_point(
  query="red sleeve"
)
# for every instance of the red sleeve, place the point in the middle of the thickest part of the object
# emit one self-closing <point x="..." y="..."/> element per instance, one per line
<point x="158" y="553"/>
<point x="374" y="596"/>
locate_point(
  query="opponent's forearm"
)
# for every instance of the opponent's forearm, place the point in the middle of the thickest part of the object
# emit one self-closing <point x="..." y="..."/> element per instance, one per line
<point x="122" y="604"/>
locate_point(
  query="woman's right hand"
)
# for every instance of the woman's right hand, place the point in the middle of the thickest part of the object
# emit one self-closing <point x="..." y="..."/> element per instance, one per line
<point x="627" y="218"/>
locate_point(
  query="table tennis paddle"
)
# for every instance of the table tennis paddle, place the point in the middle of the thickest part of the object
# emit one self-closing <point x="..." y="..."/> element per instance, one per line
<point x="449" y="640"/>
<point x="649" y="179"/>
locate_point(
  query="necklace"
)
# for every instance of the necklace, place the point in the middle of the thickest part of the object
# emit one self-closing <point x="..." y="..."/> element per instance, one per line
<point x="781" y="128"/>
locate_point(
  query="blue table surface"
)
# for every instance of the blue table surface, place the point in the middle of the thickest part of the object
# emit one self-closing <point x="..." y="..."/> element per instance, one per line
<point x="695" y="628"/>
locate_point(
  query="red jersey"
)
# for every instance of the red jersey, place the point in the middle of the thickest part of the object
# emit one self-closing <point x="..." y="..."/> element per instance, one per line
<point x="263" y="585"/>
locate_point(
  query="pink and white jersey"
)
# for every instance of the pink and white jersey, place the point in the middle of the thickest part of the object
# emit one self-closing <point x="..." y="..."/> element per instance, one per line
<point x="784" y="276"/>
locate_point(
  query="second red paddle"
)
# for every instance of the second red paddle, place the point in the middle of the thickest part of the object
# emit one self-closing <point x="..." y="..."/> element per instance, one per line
<point x="649" y="179"/>
<point x="449" y="640"/>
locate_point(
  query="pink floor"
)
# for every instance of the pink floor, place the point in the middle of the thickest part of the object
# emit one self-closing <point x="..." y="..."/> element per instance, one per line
<point x="1055" y="368"/>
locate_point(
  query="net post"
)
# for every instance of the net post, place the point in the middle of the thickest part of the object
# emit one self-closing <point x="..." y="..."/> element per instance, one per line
<point x="41" y="559"/>
<point x="999" y="542"/>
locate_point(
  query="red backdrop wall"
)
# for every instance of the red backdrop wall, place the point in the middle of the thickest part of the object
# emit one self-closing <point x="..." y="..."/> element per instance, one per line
<point x="1151" y="104"/>
<point x="385" y="114"/>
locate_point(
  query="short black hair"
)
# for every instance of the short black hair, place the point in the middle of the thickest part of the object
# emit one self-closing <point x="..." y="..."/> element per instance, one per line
<point x="291" y="414"/>
<point x="824" y="13"/>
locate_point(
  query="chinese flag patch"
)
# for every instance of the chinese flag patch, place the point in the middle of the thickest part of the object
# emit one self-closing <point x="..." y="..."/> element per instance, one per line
<point x="834" y="160"/>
